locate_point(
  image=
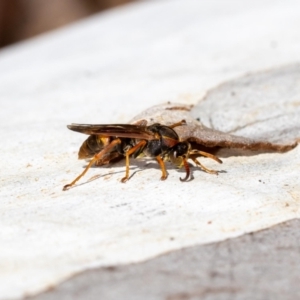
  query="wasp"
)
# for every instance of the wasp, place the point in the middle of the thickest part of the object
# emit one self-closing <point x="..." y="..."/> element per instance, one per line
<point x="109" y="142"/>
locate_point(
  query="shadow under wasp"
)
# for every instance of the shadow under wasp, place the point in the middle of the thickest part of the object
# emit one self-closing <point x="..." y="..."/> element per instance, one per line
<point x="109" y="142"/>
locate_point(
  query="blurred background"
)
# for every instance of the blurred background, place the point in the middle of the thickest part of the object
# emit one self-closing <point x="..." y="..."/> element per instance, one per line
<point x="22" y="19"/>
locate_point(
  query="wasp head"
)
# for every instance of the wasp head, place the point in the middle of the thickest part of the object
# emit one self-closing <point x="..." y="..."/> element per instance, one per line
<point x="182" y="151"/>
<point x="179" y="153"/>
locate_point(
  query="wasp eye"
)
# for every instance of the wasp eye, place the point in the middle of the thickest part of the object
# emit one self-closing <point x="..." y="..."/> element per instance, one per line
<point x="175" y="154"/>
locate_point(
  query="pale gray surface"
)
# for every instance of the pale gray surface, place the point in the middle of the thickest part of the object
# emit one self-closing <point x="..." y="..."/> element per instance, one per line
<point x="258" y="266"/>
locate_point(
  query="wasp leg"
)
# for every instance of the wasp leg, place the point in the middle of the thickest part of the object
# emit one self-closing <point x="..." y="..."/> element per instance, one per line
<point x="96" y="158"/>
<point x="196" y="152"/>
<point x="113" y="156"/>
<point x="163" y="168"/>
<point x="182" y="122"/>
<point x="139" y="145"/>
<point x="187" y="169"/>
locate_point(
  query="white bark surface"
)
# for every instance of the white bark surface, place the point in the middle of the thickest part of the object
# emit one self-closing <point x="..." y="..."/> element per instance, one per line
<point x="106" y="70"/>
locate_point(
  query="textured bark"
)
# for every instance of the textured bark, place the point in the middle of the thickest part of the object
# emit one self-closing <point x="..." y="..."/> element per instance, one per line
<point x="262" y="265"/>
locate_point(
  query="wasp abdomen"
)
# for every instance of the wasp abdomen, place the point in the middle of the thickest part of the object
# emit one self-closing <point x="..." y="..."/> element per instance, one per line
<point x="92" y="145"/>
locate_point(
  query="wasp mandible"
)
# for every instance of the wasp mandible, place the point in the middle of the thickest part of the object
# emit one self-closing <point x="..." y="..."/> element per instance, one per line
<point x="108" y="142"/>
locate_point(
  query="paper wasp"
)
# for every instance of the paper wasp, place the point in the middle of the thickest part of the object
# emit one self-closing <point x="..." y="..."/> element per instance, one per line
<point x="108" y="142"/>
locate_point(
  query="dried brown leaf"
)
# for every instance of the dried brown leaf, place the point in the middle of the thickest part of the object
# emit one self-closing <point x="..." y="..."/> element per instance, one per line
<point x="196" y="132"/>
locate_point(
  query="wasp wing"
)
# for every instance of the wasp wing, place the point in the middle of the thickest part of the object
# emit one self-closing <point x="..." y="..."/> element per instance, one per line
<point x="114" y="130"/>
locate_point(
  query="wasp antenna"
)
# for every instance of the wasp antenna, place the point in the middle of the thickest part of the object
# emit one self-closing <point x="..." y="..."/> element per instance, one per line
<point x="187" y="169"/>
